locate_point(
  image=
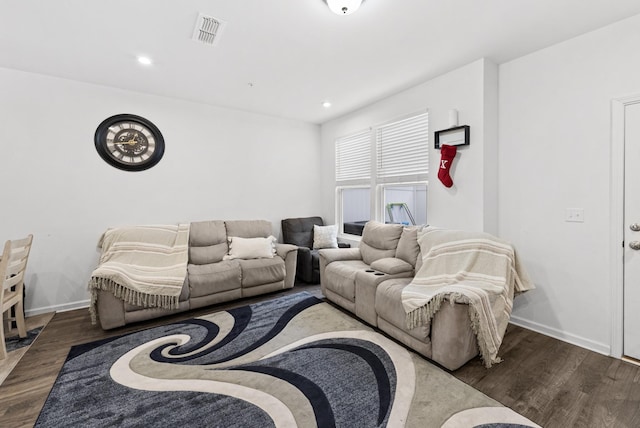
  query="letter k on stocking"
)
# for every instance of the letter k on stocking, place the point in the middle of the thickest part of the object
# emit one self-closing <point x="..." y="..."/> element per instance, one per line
<point x="447" y="153"/>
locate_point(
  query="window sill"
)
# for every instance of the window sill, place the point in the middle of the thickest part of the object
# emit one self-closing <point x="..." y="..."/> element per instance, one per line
<point x="353" y="240"/>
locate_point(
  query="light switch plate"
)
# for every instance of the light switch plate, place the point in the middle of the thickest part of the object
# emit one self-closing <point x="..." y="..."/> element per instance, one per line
<point x="575" y="215"/>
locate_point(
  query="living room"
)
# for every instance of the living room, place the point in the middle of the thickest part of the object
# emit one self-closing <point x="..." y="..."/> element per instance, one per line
<point x="542" y="138"/>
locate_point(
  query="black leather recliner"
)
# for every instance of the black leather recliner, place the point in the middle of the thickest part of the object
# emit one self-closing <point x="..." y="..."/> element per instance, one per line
<point x="299" y="232"/>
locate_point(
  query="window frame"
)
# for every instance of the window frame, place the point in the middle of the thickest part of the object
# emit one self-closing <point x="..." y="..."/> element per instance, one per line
<point x="376" y="183"/>
<point x="381" y="205"/>
<point x="340" y="205"/>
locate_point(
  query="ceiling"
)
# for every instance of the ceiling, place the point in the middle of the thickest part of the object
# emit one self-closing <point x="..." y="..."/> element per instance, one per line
<point x="284" y="57"/>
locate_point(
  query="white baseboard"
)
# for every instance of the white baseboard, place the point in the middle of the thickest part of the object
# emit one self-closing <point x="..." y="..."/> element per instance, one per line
<point x="598" y="347"/>
<point x="58" y="308"/>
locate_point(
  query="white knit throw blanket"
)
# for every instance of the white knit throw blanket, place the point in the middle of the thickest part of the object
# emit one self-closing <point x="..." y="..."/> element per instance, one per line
<point x="142" y="265"/>
<point x="467" y="267"/>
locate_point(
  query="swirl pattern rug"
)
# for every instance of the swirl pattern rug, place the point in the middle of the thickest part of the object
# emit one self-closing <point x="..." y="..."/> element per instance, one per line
<point x="294" y="361"/>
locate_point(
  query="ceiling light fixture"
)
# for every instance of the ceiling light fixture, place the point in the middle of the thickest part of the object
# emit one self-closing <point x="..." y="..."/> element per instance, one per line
<point x="343" y="7"/>
<point x="144" y="60"/>
<point x="326" y="104"/>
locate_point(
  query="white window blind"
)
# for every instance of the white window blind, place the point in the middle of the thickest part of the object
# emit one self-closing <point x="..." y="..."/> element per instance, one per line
<point x="402" y="147"/>
<point x="353" y="157"/>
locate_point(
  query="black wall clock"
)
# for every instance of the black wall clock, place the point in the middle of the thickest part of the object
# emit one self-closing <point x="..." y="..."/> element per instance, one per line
<point x="129" y="142"/>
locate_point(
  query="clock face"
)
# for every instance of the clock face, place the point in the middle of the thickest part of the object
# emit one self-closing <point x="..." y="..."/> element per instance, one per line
<point x="129" y="142"/>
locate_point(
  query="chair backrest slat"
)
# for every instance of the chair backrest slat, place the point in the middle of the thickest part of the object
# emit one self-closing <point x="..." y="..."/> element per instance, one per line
<point x="4" y="264"/>
<point x="24" y="242"/>
<point x="13" y="280"/>
<point x="14" y="263"/>
<point x="16" y="268"/>
<point x="19" y="253"/>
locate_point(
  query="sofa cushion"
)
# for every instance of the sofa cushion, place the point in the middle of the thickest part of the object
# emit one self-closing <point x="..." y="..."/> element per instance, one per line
<point x="248" y="228"/>
<point x="325" y="236"/>
<point x="379" y="241"/>
<point x="419" y="262"/>
<point x="214" y="277"/>
<point x="299" y="231"/>
<point x="262" y="271"/>
<point x="341" y="277"/>
<point x="207" y="242"/>
<point x="408" y="248"/>
<point x="391" y="265"/>
<point x="208" y="254"/>
<point x="251" y="248"/>
<point x="389" y="307"/>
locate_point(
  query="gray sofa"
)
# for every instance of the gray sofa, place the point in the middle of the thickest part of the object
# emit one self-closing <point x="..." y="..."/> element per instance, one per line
<point x="299" y="232"/>
<point x="210" y="279"/>
<point x="368" y="282"/>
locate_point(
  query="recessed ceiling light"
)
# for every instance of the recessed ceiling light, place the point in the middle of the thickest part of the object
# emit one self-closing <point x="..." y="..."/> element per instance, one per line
<point x="144" y="60"/>
<point x="326" y="104"/>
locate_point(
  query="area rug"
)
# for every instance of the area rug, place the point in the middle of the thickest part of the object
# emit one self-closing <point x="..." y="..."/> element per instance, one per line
<point x="17" y="346"/>
<point x="294" y="361"/>
<point x="16" y="342"/>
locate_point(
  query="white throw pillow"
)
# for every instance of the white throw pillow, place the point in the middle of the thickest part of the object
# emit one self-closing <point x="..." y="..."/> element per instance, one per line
<point x="251" y="248"/>
<point x="325" y="236"/>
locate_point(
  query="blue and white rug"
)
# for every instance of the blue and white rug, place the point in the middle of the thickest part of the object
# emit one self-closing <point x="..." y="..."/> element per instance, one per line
<point x="294" y="361"/>
<point x="16" y="342"/>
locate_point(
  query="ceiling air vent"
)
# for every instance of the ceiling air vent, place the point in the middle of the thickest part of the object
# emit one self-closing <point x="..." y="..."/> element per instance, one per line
<point x="208" y="30"/>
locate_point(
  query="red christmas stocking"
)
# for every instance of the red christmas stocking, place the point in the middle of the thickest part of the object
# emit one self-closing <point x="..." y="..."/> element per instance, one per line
<point x="447" y="153"/>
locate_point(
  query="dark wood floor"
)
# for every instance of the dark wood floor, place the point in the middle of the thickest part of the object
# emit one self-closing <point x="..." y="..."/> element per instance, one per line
<point x="550" y="382"/>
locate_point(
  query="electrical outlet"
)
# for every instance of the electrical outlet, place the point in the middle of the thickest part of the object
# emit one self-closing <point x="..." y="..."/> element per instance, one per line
<point x="575" y="215"/>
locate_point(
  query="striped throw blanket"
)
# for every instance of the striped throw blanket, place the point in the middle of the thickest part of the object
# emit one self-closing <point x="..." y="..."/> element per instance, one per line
<point x="467" y="267"/>
<point x="142" y="265"/>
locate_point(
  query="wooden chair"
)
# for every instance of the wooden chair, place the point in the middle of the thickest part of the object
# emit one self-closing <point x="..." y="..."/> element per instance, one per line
<point x="12" y="267"/>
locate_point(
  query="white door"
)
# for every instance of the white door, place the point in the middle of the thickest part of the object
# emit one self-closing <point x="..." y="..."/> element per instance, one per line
<point x="632" y="231"/>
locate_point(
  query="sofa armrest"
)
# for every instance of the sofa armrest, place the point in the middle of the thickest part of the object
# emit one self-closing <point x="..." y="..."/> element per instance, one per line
<point x="304" y="250"/>
<point x="453" y="341"/>
<point x="329" y="255"/>
<point x="283" y="249"/>
<point x="110" y="310"/>
<point x="304" y="268"/>
<point x="289" y="254"/>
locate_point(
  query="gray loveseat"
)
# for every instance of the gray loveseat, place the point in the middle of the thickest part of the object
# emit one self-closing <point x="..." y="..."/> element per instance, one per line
<point x="210" y="279"/>
<point x="368" y="282"/>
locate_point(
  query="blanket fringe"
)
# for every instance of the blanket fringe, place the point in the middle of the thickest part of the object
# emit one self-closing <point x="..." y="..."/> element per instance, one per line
<point x="424" y="314"/>
<point x="482" y="343"/>
<point x="132" y="297"/>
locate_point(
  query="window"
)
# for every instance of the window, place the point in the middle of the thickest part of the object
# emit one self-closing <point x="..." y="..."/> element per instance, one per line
<point x="402" y="148"/>
<point x="388" y="164"/>
<point x="353" y="173"/>
<point x="353" y="158"/>
<point x="405" y="203"/>
<point x="355" y="208"/>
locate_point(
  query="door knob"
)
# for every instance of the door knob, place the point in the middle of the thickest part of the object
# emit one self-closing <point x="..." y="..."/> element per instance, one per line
<point x="635" y="227"/>
<point x="634" y="245"/>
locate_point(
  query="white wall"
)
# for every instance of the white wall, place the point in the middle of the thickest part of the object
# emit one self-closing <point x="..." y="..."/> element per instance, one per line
<point x="218" y="164"/>
<point x="472" y="90"/>
<point x="554" y="154"/>
<point x="553" y="126"/>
